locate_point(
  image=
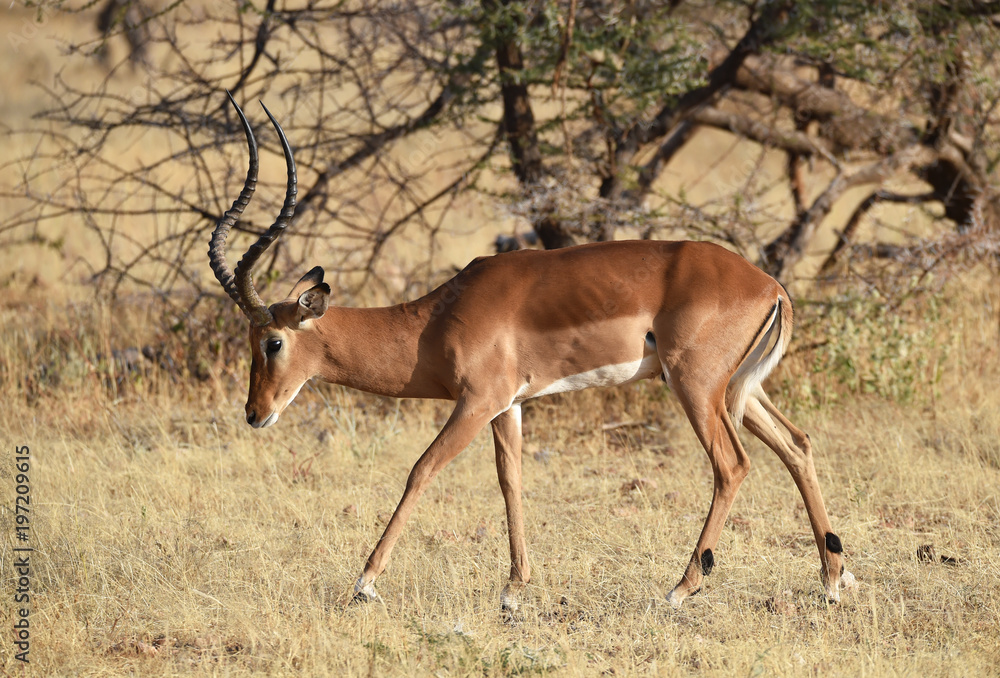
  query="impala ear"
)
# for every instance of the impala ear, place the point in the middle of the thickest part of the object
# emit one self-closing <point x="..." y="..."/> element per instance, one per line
<point x="314" y="302"/>
<point x="308" y="281"/>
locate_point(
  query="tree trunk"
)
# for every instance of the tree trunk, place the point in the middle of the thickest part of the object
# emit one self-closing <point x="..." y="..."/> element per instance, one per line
<point x="518" y="118"/>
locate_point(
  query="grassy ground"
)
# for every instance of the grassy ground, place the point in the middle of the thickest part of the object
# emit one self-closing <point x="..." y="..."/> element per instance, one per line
<point x="170" y="537"/>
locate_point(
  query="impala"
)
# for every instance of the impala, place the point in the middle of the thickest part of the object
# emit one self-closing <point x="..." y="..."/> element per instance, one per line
<point x="529" y="323"/>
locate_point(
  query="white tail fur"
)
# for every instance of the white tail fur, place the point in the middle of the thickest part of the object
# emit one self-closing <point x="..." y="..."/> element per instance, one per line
<point x="755" y="368"/>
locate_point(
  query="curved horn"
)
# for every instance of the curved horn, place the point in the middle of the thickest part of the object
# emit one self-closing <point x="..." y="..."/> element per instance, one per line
<point x="217" y="245"/>
<point x="258" y="312"/>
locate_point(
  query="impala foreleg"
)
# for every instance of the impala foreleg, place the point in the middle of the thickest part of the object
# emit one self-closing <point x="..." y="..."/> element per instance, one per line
<point x="465" y="422"/>
<point x="507" y="440"/>
<point x="730" y="465"/>
<point x="794" y="449"/>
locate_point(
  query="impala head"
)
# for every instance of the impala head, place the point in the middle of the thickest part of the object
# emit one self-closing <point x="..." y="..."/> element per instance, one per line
<point x="280" y="335"/>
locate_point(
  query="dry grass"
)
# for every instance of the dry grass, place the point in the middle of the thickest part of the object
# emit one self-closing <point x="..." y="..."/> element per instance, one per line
<point x="172" y="538"/>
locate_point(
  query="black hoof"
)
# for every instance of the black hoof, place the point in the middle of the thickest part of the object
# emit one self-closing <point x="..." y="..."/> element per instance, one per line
<point x="362" y="598"/>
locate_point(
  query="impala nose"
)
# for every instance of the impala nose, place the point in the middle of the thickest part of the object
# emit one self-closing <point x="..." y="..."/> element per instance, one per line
<point x="258" y="422"/>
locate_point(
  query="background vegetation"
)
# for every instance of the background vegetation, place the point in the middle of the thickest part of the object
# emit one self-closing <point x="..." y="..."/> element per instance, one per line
<point x="848" y="148"/>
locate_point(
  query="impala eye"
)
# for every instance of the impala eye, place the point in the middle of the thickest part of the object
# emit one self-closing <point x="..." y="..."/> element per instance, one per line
<point x="273" y="346"/>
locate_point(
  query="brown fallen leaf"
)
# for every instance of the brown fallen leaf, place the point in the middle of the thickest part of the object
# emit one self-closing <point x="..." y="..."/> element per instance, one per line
<point x="927" y="554"/>
<point x="134" y="647"/>
<point x="639" y="484"/>
<point x="783" y="605"/>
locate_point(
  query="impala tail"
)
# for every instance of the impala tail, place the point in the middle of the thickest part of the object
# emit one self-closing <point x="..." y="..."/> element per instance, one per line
<point x="762" y="357"/>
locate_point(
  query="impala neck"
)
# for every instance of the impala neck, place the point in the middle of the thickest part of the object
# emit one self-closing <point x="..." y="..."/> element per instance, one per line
<point x="378" y="350"/>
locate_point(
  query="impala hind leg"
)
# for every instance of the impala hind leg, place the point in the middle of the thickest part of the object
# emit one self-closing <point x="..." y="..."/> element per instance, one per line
<point x="794" y="449"/>
<point x="507" y="440"/>
<point x="730" y="465"/>
<point x="464" y="423"/>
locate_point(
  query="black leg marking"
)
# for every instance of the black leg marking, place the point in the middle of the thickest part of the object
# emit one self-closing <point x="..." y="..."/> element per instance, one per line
<point x="833" y="543"/>
<point x="707" y="562"/>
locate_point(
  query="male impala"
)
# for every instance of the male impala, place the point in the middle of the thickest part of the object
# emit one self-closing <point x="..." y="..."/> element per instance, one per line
<point x="529" y="323"/>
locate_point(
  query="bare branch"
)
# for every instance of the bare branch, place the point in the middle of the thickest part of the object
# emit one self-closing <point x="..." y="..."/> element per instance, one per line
<point x="761" y="132"/>
<point x="783" y="253"/>
<point x="844" y="123"/>
<point x="846" y="236"/>
<point x="652" y="169"/>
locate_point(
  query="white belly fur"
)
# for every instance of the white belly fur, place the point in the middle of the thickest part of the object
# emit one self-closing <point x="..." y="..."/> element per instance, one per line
<point x="609" y="375"/>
